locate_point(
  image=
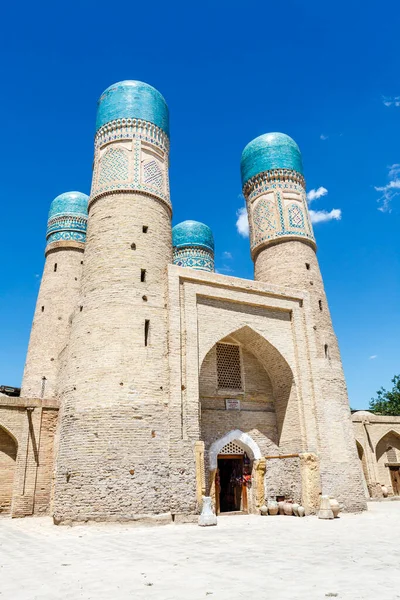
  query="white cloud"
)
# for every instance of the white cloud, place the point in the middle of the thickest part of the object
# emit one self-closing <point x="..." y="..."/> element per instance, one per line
<point x="322" y="216"/>
<point x="242" y="223"/>
<point x="227" y="255"/>
<point x="391" y="190"/>
<point x="323" y="137"/>
<point x="391" y="100"/>
<point x="373" y="357"/>
<point x="315" y="194"/>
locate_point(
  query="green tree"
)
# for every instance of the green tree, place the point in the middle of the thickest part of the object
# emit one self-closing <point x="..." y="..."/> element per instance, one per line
<point x="387" y="402"/>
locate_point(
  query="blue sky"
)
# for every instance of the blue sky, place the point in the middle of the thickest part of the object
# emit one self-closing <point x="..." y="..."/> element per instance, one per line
<point x="324" y="73"/>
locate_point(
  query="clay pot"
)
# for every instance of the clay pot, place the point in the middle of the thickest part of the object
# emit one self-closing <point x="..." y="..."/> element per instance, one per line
<point x="273" y="507"/>
<point x="295" y="509"/>
<point x="264" y="510"/>
<point x="335" y="506"/>
<point x="301" y="511"/>
<point x="288" y="508"/>
<point x="281" y="505"/>
<point x="384" y="491"/>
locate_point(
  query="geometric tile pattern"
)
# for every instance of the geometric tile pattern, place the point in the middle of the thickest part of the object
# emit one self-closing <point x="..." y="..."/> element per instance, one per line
<point x="153" y="175"/>
<point x="194" y="257"/>
<point x="113" y="166"/>
<point x="119" y="169"/>
<point x="296" y="217"/>
<point x="271" y="216"/>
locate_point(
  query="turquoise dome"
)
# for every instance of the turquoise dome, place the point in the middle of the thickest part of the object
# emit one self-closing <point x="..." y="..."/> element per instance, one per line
<point x="132" y="100"/>
<point x="270" y="151"/>
<point x="192" y="233"/>
<point x="68" y="216"/>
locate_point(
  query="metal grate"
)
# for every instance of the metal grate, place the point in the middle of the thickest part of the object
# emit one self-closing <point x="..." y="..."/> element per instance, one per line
<point x="391" y="455"/>
<point x="228" y="367"/>
<point x="231" y="448"/>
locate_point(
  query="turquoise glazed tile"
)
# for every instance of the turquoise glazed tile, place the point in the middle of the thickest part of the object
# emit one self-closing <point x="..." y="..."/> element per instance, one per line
<point x="132" y="100"/>
<point x="270" y="151"/>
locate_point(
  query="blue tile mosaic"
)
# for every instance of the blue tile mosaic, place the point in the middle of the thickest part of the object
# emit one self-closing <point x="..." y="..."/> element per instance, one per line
<point x="132" y="100"/>
<point x="270" y="151"/>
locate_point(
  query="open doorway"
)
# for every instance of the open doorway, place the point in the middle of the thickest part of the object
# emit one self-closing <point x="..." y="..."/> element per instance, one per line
<point x="232" y="492"/>
<point x="395" y="479"/>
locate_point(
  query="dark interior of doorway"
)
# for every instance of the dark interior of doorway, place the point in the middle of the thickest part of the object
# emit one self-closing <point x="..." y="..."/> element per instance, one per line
<point x="230" y="472"/>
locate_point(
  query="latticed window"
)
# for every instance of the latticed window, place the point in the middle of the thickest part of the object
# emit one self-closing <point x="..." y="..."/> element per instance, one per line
<point x="231" y="448"/>
<point x="391" y="455"/>
<point x="228" y="367"/>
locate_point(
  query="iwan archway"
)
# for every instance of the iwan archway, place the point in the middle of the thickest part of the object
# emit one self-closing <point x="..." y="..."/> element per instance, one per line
<point x="249" y="410"/>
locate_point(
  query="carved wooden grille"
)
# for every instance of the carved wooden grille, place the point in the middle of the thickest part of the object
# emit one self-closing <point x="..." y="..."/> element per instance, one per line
<point x="391" y="455"/>
<point x="228" y="367"/>
<point x="231" y="448"/>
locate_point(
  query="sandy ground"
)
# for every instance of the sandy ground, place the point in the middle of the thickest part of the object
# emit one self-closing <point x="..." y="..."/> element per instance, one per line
<point x="354" y="557"/>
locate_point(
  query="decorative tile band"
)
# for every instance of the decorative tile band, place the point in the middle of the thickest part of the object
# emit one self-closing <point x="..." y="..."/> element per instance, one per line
<point x="195" y="258"/>
<point x="66" y="235"/>
<point x="135" y="160"/>
<point x="129" y="129"/>
<point x="66" y="227"/>
<point x="277" y="211"/>
<point x="255" y="184"/>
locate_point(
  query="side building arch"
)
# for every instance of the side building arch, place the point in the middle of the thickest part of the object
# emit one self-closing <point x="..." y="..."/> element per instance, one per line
<point x="8" y="458"/>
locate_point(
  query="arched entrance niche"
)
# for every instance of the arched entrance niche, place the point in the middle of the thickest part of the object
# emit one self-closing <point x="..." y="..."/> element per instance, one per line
<point x="388" y="458"/>
<point x="267" y="395"/>
<point x="248" y="397"/>
<point x="364" y="468"/>
<point x="8" y="456"/>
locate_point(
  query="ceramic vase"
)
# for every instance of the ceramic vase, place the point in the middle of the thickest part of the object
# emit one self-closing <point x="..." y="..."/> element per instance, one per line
<point x="334" y="506"/>
<point x="207" y="516"/>
<point x="288" y="508"/>
<point x="273" y="507"/>
<point x="281" y="505"/>
<point x="264" y="510"/>
<point x="384" y="491"/>
<point x="301" y="511"/>
<point x="295" y="509"/>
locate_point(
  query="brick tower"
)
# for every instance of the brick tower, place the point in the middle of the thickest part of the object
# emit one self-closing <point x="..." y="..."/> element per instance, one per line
<point x="113" y="452"/>
<point x="58" y="294"/>
<point x="283" y="249"/>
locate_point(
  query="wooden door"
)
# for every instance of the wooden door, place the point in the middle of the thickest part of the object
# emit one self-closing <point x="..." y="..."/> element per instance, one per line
<point x="395" y="476"/>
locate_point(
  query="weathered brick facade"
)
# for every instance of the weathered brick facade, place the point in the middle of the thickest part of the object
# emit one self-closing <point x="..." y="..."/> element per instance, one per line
<point x="127" y="343"/>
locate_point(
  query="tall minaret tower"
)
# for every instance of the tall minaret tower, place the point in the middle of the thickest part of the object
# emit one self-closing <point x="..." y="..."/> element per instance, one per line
<point x="58" y="294"/>
<point x="284" y="252"/>
<point x="113" y="453"/>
